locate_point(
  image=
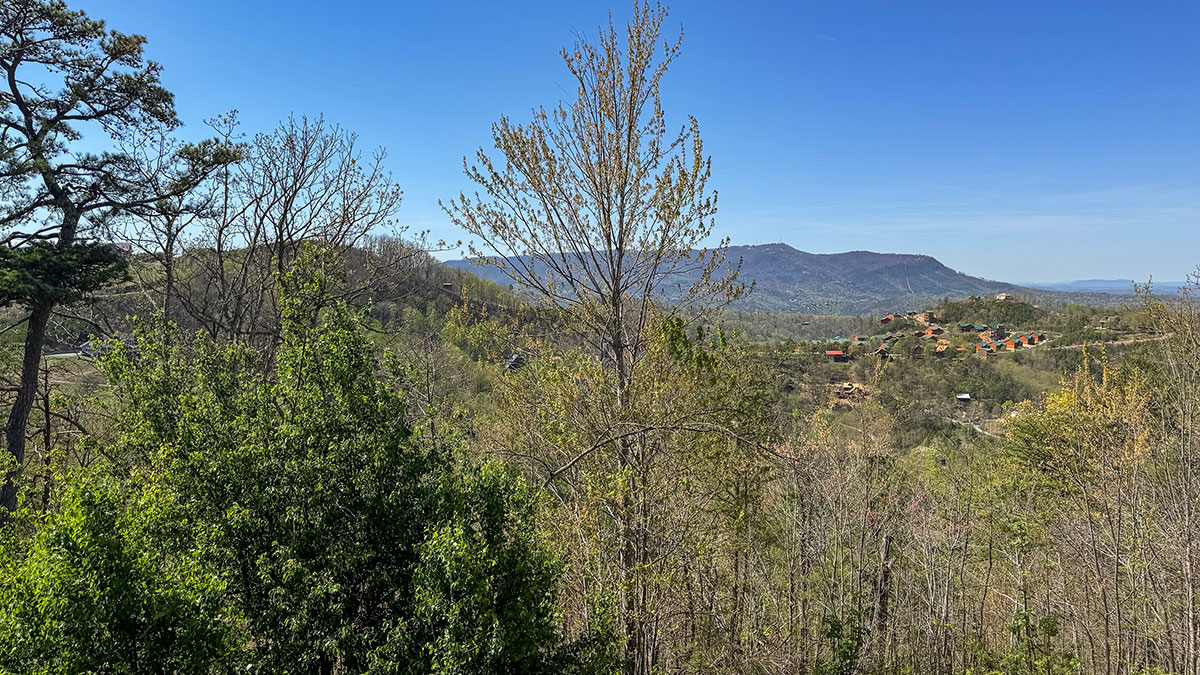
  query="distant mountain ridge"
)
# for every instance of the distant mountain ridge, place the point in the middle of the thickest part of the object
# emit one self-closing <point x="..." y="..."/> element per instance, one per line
<point x="855" y="282"/>
<point x="1124" y="286"/>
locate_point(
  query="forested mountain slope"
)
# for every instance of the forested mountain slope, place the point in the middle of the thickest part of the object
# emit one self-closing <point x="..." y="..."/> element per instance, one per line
<point x="856" y="282"/>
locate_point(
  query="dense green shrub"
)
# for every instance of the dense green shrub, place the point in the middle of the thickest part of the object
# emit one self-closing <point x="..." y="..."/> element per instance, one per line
<point x="286" y="518"/>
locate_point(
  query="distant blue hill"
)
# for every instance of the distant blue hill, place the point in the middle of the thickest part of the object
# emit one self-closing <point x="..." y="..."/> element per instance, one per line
<point x="1121" y="286"/>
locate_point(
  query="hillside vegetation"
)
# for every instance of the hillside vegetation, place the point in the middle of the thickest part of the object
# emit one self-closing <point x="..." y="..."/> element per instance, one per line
<point x="253" y="426"/>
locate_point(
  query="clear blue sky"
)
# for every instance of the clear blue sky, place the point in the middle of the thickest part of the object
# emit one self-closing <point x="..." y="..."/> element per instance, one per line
<point x="1033" y="140"/>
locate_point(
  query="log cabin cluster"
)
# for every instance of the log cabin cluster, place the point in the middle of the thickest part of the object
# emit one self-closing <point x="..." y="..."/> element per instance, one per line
<point x="1011" y="343"/>
<point x="932" y="339"/>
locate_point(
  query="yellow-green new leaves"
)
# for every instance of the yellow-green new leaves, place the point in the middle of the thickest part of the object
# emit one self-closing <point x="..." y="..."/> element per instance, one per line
<point x="1098" y="428"/>
<point x="110" y="584"/>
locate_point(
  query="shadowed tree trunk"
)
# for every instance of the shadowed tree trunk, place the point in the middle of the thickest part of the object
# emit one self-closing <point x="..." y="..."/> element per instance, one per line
<point x="18" y="418"/>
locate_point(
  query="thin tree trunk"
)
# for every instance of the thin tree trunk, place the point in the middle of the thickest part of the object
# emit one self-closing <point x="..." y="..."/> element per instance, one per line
<point x="18" y="418"/>
<point x="882" y="593"/>
<point x="47" y="437"/>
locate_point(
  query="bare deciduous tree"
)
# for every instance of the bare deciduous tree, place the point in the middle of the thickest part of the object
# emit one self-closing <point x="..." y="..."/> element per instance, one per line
<point x="305" y="182"/>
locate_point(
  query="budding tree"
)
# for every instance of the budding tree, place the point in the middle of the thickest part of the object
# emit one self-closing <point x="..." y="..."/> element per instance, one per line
<point x="596" y="206"/>
<point x="599" y="209"/>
